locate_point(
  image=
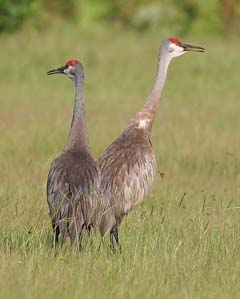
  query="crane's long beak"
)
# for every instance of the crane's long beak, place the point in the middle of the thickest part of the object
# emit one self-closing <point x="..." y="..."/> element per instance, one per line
<point x="60" y="70"/>
<point x="187" y="47"/>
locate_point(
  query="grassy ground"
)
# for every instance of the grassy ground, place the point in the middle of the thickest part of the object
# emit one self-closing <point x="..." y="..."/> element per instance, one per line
<point x="184" y="240"/>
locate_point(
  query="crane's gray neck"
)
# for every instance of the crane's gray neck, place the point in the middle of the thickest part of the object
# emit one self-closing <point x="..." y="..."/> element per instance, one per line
<point x="149" y="109"/>
<point x="77" y="138"/>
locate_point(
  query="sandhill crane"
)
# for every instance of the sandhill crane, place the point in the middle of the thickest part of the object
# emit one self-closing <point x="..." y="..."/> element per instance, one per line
<point x="128" y="165"/>
<point x="74" y="175"/>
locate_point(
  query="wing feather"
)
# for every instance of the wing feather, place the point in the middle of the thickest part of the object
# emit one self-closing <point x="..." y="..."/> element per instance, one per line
<point x="71" y="187"/>
<point x="127" y="172"/>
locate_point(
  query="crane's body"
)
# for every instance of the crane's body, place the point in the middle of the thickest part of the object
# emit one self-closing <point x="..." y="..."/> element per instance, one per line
<point x="73" y="178"/>
<point x="128" y="165"/>
<point x="127" y="168"/>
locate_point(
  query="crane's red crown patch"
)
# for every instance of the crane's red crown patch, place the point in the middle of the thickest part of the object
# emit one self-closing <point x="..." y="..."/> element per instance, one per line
<point x="72" y="62"/>
<point x="175" y="41"/>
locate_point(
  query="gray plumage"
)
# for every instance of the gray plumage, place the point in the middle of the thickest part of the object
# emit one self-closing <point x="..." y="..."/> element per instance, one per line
<point x="128" y="165"/>
<point x="73" y="178"/>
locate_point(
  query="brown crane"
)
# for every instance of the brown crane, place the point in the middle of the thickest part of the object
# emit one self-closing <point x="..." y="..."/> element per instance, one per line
<point x="74" y="175"/>
<point x="128" y="165"/>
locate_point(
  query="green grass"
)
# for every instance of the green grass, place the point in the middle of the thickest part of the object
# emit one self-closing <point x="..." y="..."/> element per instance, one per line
<point x="184" y="240"/>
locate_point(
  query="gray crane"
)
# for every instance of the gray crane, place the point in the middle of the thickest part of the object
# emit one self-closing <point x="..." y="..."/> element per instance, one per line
<point x="128" y="165"/>
<point x="73" y="178"/>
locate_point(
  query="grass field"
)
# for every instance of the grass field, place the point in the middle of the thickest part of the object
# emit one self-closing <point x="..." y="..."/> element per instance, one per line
<point x="184" y="240"/>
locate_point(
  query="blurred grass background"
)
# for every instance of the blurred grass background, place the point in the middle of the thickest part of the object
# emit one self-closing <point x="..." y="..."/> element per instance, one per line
<point x="184" y="240"/>
<point x="186" y="16"/>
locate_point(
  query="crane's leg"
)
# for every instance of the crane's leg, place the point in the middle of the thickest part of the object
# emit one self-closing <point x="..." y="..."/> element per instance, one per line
<point x="88" y="228"/>
<point x="112" y="246"/>
<point x="79" y="242"/>
<point x="114" y="238"/>
<point x="56" y="232"/>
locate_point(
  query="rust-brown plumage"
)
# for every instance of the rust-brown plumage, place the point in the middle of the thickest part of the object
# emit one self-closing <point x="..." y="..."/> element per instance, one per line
<point x="128" y="165"/>
<point x="74" y="176"/>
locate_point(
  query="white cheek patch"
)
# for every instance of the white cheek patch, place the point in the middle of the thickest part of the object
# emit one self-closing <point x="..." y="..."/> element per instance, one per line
<point x="175" y="47"/>
<point x="143" y="123"/>
<point x="67" y="71"/>
<point x="176" y="50"/>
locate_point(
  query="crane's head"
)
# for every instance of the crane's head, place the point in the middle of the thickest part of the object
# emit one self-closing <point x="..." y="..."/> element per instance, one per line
<point x="72" y="68"/>
<point x="176" y="48"/>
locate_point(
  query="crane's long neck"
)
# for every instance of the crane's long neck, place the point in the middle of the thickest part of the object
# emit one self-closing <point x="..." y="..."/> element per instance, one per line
<point x="149" y="109"/>
<point x="77" y="138"/>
